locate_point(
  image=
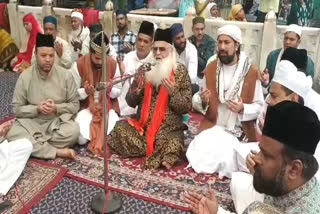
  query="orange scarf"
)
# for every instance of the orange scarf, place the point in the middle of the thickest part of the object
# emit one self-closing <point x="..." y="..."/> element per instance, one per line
<point x="157" y="117"/>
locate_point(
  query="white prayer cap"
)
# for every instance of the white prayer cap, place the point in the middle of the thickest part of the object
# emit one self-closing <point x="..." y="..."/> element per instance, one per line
<point x="231" y="30"/>
<point x="294" y="28"/>
<point x="77" y="14"/>
<point x="287" y="75"/>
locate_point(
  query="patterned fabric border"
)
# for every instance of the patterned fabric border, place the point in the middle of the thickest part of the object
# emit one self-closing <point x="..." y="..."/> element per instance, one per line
<point x="36" y="180"/>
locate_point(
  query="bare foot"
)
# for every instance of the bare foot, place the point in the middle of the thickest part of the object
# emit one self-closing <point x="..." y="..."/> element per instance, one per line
<point x="167" y="165"/>
<point x="66" y="153"/>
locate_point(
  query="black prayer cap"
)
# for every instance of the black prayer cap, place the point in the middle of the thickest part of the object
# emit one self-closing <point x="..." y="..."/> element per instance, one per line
<point x="95" y="27"/>
<point x="298" y="57"/>
<point x="121" y="12"/>
<point x="147" y="28"/>
<point x="44" y="41"/>
<point x="294" y="125"/>
<point x="163" y="35"/>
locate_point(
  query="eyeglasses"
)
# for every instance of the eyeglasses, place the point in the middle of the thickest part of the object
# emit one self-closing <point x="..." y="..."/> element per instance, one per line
<point x="161" y="49"/>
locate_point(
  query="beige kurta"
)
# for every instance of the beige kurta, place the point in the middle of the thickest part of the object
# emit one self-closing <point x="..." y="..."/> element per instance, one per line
<point x="46" y="132"/>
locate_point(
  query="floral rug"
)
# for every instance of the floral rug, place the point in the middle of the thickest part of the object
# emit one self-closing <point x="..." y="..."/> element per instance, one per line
<point x="165" y="187"/>
<point x="36" y="180"/>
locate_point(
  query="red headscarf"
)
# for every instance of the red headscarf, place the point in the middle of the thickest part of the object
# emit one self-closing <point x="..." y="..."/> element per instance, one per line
<point x="36" y="28"/>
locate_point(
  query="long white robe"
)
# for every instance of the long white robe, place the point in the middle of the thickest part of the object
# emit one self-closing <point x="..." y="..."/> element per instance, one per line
<point x="131" y="64"/>
<point x="218" y="141"/>
<point x="84" y="38"/>
<point x="13" y="158"/>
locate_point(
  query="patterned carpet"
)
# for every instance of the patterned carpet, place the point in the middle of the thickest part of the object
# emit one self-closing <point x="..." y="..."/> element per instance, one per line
<point x="36" y="180"/>
<point x="7" y="84"/>
<point x="72" y="196"/>
<point x="127" y="176"/>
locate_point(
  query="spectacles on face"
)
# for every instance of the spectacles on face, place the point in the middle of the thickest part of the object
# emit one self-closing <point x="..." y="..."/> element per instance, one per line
<point x="161" y="49"/>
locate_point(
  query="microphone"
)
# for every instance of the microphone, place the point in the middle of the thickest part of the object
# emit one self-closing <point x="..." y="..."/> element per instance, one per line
<point x="146" y="67"/>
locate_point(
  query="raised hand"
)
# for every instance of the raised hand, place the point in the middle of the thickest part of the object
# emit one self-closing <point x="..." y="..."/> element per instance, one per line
<point x="250" y="162"/>
<point x="235" y="106"/>
<point x="200" y="204"/>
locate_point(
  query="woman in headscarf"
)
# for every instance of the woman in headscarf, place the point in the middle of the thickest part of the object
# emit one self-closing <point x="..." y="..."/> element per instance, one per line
<point x="23" y="59"/>
<point x="237" y="13"/>
<point x="212" y="11"/>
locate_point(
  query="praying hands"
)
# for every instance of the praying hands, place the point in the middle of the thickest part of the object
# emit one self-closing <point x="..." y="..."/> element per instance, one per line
<point x="235" y="106"/>
<point x="47" y="107"/>
<point x="88" y="88"/>
<point x="168" y="85"/>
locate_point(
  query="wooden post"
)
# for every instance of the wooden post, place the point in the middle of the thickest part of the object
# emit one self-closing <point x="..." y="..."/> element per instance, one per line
<point x="268" y="38"/>
<point x="46" y="8"/>
<point x="108" y="19"/>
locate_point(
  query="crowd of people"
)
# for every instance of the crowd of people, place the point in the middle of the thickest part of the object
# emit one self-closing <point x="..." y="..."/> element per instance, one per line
<point x="261" y="129"/>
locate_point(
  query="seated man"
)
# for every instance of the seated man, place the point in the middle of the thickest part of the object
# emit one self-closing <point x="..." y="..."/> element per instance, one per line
<point x="90" y="72"/>
<point x="233" y="99"/>
<point x="186" y="54"/>
<point x="287" y="84"/>
<point x="204" y="44"/>
<point x="123" y="40"/>
<point x="45" y="102"/>
<point x="162" y="95"/>
<point x="285" y="167"/>
<point x="292" y="38"/>
<point x="94" y="30"/>
<point x="13" y="156"/>
<point x="133" y="60"/>
<point x="79" y="37"/>
<point x="63" y="51"/>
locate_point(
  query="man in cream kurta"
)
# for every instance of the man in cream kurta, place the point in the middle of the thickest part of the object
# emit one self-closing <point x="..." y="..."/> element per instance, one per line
<point x="133" y="60"/>
<point x="45" y="102"/>
<point x="286" y="76"/>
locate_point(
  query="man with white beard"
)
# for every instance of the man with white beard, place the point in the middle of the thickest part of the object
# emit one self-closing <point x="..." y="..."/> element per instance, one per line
<point x="162" y="95"/>
<point x="79" y="37"/>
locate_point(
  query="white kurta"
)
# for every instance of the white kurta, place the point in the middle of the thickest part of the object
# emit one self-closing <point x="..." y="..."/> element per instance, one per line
<point x="208" y="146"/>
<point x="13" y="158"/>
<point x="131" y="64"/>
<point x="84" y="117"/>
<point x="189" y="58"/>
<point x="84" y="38"/>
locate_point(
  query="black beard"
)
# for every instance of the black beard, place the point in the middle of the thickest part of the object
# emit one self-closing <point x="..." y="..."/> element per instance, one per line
<point x="179" y="48"/>
<point x="226" y="59"/>
<point x="274" y="187"/>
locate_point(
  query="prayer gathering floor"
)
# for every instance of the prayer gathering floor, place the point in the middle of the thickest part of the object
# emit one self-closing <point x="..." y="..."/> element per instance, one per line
<point x="69" y="195"/>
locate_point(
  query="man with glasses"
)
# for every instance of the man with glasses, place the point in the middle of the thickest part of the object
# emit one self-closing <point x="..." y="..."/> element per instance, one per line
<point x="162" y="96"/>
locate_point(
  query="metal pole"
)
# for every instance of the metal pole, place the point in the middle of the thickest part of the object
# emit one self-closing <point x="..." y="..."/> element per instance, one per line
<point x="98" y="201"/>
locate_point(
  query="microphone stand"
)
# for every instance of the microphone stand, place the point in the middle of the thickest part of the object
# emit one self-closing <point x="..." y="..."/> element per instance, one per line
<point x="113" y="202"/>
